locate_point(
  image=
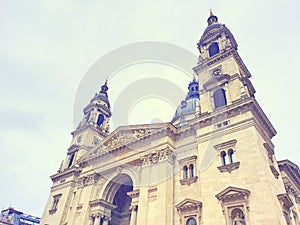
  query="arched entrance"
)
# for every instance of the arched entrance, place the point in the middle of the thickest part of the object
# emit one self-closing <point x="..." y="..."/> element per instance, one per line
<point x="116" y="194"/>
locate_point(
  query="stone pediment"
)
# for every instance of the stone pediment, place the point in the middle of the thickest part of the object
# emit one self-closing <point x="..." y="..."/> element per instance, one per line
<point x="188" y="204"/>
<point x="231" y="194"/>
<point x="125" y="134"/>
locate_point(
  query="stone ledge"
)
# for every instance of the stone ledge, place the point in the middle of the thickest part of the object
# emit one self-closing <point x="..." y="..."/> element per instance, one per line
<point x="228" y="168"/>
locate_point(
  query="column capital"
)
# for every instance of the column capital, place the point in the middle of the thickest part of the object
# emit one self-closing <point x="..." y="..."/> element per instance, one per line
<point x="133" y="208"/>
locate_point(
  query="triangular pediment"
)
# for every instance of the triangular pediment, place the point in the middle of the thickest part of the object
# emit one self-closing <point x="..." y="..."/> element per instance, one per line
<point x="188" y="203"/>
<point x="126" y="134"/>
<point x="232" y="193"/>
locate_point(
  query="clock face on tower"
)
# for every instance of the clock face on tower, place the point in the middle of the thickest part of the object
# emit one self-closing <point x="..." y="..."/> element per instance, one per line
<point x="100" y="119"/>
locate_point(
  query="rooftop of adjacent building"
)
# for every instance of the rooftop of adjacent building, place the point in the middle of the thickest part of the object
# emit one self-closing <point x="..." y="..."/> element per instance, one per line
<point x="16" y="217"/>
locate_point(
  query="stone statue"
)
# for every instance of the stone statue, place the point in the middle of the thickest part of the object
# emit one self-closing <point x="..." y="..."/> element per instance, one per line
<point x="238" y="220"/>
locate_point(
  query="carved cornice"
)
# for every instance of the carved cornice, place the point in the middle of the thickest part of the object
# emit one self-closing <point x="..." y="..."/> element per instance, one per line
<point x="291" y="170"/>
<point x="188" y="205"/>
<point x="213" y="60"/>
<point x="134" y="194"/>
<point x="62" y="186"/>
<point x="73" y="148"/>
<point x="89" y="126"/>
<point x="238" y="107"/>
<point x="233" y="194"/>
<point x="285" y="201"/>
<point x="168" y="131"/>
<point x="66" y="173"/>
<point x="188" y="159"/>
<point x="225" y="145"/>
<point x="103" y="203"/>
<point x="216" y="81"/>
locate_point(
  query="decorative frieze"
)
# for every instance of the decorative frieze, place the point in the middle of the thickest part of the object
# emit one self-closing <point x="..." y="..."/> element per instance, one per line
<point x="124" y="137"/>
<point x="87" y="180"/>
<point x="158" y="156"/>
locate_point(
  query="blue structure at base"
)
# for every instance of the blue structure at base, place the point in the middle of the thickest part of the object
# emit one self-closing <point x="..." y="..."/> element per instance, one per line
<point x="14" y="217"/>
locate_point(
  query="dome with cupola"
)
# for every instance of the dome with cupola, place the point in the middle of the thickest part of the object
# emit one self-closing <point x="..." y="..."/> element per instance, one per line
<point x="102" y="95"/>
<point x="189" y="108"/>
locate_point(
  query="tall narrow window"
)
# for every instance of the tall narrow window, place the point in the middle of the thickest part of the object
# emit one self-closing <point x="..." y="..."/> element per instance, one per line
<point x="55" y="203"/>
<point x="100" y="119"/>
<point x="219" y="98"/>
<point x="230" y="154"/>
<point x="71" y="160"/>
<point x="223" y="156"/>
<point x="191" y="170"/>
<point x="213" y="49"/>
<point x="185" y="172"/>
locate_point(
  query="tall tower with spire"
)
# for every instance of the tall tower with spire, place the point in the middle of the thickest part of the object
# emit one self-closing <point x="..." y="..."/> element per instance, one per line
<point x="213" y="163"/>
<point x="92" y="129"/>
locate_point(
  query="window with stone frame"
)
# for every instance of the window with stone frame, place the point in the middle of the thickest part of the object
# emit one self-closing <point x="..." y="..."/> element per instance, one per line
<point x="270" y="151"/>
<point x="235" y="205"/>
<point x="227" y="156"/>
<point x="188" y="170"/>
<point x="219" y="97"/>
<point x="190" y="212"/>
<point x="55" y="203"/>
<point x="71" y="159"/>
<point x="286" y="204"/>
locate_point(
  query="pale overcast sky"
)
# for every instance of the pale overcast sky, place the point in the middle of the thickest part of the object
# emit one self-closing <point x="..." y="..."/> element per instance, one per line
<point x="46" y="48"/>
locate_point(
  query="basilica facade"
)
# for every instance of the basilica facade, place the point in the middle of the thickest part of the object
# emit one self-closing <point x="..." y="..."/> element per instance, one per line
<point x="213" y="163"/>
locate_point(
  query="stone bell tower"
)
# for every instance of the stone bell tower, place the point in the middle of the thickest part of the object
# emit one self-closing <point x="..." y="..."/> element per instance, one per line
<point x="93" y="127"/>
<point x="233" y="125"/>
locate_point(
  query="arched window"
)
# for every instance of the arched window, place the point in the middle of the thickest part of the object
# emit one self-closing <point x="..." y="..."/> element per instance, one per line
<point x="223" y="156"/>
<point x="192" y="170"/>
<point x="191" y="221"/>
<point x="185" y="172"/>
<point x="100" y="119"/>
<point x="71" y="160"/>
<point x="213" y="49"/>
<point x="219" y="98"/>
<point x="237" y="217"/>
<point x="230" y="154"/>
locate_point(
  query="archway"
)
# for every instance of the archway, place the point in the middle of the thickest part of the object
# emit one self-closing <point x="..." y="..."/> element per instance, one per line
<point x="116" y="193"/>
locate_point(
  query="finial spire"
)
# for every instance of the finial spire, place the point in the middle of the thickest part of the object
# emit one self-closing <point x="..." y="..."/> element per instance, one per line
<point x="212" y="18"/>
<point x="104" y="87"/>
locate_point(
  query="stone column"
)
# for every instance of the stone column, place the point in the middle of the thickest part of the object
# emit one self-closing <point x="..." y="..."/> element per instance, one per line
<point x="91" y="221"/>
<point x="97" y="220"/>
<point x="133" y="214"/>
<point x="105" y="221"/>
<point x="227" y="94"/>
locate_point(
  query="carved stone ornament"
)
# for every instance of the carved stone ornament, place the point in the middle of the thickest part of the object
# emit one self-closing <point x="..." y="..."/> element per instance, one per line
<point x="127" y="136"/>
<point x="87" y="180"/>
<point x="158" y="156"/>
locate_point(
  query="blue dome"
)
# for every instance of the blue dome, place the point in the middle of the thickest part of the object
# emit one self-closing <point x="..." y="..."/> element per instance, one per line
<point x="189" y="106"/>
